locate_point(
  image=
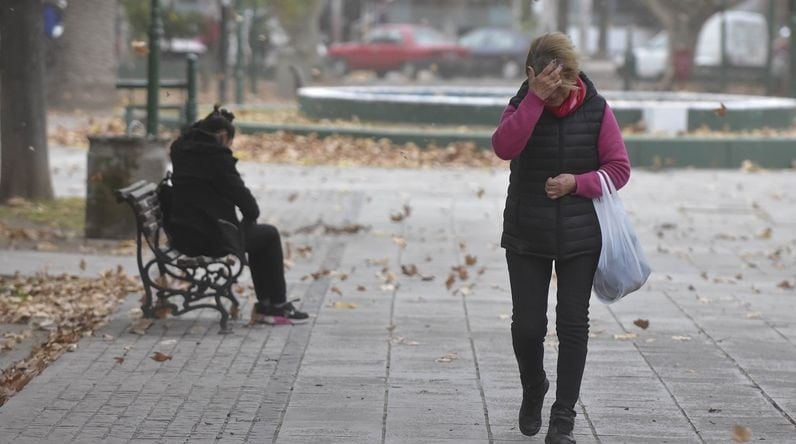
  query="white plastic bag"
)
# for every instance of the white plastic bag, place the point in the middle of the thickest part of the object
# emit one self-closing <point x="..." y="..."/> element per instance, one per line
<point x="622" y="268"/>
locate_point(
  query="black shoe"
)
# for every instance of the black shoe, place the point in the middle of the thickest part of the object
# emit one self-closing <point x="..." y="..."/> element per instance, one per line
<point x="531" y="409"/>
<point x="562" y="421"/>
<point x="279" y="314"/>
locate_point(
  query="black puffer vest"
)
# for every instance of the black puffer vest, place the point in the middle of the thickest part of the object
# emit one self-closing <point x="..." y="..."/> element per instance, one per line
<point x="534" y="224"/>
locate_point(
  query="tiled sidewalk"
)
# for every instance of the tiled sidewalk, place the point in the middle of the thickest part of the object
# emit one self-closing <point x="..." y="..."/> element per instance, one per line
<point x="409" y="361"/>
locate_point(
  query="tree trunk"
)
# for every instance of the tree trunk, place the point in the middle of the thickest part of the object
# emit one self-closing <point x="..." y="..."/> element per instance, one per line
<point x="683" y="19"/>
<point x="305" y="33"/>
<point x="24" y="165"/>
<point x="84" y="67"/>
<point x="562" y="14"/>
<point x="297" y="63"/>
<point x="607" y="9"/>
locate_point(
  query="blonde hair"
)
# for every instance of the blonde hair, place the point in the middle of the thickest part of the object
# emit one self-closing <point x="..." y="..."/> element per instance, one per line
<point x="555" y="46"/>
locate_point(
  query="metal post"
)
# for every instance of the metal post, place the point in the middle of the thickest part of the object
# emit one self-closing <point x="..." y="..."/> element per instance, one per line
<point x="723" y="74"/>
<point x="153" y="69"/>
<point x="254" y="63"/>
<point x="629" y="70"/>
<point x="792" y="71"/>
<point x="190" y="78"/>
<point x="239" y="52"/>
<point x="772" y="34"/>
<point x="223" y="48"/>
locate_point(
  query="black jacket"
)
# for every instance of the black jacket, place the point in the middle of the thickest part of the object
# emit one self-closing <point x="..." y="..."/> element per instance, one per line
<point x="535" y="224"/>
<point x="207" y="187"/>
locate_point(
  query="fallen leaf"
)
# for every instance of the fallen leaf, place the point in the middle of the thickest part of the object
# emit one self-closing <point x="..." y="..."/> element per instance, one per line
<point x="401" y="242"/>
<point x="140" y="47"/>
<point x="785" y="285"/>
<point x="83" y="264"/>
<point x="681" y="338"/>
<point x="391" y="328"/>
<point x="765" y="234"/>
<point x="450" y="357"/>
<point x="470" y="260"/>
<point x="387" y="287"/>
<point x="140" y="326"/>
<point x="625" y="336"/>
<point x="450" y="281"/>
<point x="160" y="357"/>
<point x="361" y="288"/>
<point x="119" y="359"/>
<point x="409" y="270"/>
<point x="741" y="433"/>
<point x="480" y="193"/>
<point x="398" y="217"/>
<point x="336" y="291"/>
<point x="343" y="305"/>
<point x="403" y="341"/>
<point x="721" y="111"/>
<point x="292" y="197"/>
<point x="642" y="323"/>
<point x="748" y="166"/>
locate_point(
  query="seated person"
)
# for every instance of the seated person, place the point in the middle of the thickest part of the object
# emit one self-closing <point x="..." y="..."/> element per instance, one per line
<point x="207" y="187"/>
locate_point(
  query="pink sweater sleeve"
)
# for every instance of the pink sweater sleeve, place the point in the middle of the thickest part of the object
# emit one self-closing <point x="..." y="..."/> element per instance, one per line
<point x="613" y="159"/>
<point x="516" y="126"/>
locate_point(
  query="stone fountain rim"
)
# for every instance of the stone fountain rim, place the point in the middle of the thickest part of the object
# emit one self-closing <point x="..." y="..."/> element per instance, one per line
<point x="438" y="95"/>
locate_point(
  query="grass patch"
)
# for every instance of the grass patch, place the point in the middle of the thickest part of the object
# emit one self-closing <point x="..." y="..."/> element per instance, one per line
<point x="64" y="213"/>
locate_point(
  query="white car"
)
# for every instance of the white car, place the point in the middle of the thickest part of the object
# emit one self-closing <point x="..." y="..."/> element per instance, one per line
<point x="747" y="45"/>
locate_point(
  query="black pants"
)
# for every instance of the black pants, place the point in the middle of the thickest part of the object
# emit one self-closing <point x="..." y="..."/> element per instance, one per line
<point x="530" y="281"/>
<point x="264" y="248"/>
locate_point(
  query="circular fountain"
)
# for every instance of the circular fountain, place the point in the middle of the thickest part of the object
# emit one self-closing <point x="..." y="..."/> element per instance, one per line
<point x="661" y="112"/>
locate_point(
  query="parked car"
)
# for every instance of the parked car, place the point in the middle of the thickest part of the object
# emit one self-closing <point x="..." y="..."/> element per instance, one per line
<point x="495" y="51"/>
<point x="398" y="47"/>
<point x="747" y="45"/>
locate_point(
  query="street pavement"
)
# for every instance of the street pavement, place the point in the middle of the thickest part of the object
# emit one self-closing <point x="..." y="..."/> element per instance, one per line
<point x="393" y="358"/>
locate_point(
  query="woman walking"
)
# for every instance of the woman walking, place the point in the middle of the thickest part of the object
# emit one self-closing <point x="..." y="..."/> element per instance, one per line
<point x="208" y="187"/>
<point x="557" y="131"/>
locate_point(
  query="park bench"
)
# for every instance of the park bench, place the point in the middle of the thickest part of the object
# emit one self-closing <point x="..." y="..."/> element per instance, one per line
<point x="186" y="112"/>
<point x="169" y="273"/>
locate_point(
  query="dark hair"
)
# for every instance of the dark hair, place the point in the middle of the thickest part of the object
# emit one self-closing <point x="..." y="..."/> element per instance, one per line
<point x="218" y="120"/>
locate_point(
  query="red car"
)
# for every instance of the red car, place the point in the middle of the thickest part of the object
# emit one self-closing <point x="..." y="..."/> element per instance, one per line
<point x="397" y="47"/>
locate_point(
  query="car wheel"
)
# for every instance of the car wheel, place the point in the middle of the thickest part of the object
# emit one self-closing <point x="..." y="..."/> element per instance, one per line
<point x="510" y="69"/>
<point x="409" y="70"/>
<point x="339" y="67"/>
<point x="381" y="74"/>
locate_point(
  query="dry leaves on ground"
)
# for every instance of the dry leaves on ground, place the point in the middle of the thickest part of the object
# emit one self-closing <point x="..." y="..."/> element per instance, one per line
<point x="67" y="306"/>
<point x="642" y="323"/>
<point x="78" y="137"/>
<point x="285" y="147"/>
